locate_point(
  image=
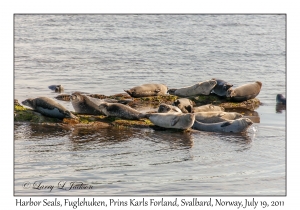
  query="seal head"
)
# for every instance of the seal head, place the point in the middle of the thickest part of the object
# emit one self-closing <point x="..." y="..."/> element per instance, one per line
<point x="56" y="88"/>
<point x="280" y="99"/>
<point x="184" y="104"/>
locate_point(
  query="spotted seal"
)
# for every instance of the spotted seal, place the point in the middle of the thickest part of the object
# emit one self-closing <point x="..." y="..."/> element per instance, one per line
<point x="147" y="90"/>
<point x="280" y="99"/>
<point x="56" y="88"/>
<point x="202" y="88"/>
<point x="166" y="108"/>
<point x="172" y="120"/>
<point x="215" y="117"/>
<point x="244" y="92"/>
<point x="184" y="104"/>
<point x="234" y="126"/>
<point x="48" y="107"/>
<point x="221" y="87"/>
<point x="121" y="111"/>
<point x="207" y="108"/>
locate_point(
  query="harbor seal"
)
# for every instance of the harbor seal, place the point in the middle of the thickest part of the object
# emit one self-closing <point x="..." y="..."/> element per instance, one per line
<point x="83" y="104"/>
<point x="215" y="117"/>
<point x="48" y="107"/>
<point x="234" y="126"/>
<point x="121" y="111"/>
<point x="56" y="88"/>
<point x="244" y="92"/>
<point x="165" y="108"/>
<point x="184" y="104"/>
<point x="280" y="99"/>
<point x="147" y="90"/>
<point x="207" y="108"/>
<point x="221" y="87"/>
<point x="202" y="88"/>
<point x="172" y="120"/>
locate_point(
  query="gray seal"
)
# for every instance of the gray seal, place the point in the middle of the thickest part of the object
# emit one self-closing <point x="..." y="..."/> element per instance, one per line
<point x="215" y="117"/>
<point x="184" y="104"/>
<point x="166" y="108"/>
<point x="280" y="99"/>
<point x="172" y="120"/>
<point x="202" y="88"/>
<point x="221" y="87"/>
<point x="121" y="111"/>
<point x="234" y="126"/>
<point x="244" y="92"/>
<point x="208" y="108"/>
<point x="48" y="107"/>
<point x="56" y="88"/>
<point x="147" y="90"/>
<point x="83" y="104"/>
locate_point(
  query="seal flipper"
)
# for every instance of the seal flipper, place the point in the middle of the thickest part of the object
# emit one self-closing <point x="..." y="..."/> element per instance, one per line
<point x="226" y="124"/>
<point x="174" y="120"/>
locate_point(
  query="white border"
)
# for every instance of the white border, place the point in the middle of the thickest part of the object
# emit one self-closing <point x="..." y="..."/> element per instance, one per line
<point x="8" y="8"/>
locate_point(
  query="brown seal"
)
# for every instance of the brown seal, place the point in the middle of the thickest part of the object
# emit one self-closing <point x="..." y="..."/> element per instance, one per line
<point x="244" y="92"/>
<point x="147" y="90"/>
<point x="202" y="88"/>
<point x="121" y="111"/>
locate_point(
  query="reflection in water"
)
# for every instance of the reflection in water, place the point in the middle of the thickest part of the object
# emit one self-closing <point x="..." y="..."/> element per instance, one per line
<point x="38" y="131"/>
<point x="89" y="138"/>
<point x="280" y="108"/>
<point x="175" y="138"/>
<point x="242" y="140"/>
